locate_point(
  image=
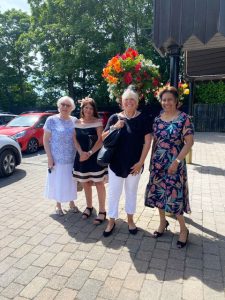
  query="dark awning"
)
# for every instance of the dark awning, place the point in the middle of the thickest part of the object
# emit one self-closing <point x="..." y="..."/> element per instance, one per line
<point x="207" y="64"/>
<point x="190" y="24"/>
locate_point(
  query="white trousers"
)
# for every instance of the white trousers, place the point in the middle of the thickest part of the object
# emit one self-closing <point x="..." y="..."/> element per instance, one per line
<point x="115" y="188"/>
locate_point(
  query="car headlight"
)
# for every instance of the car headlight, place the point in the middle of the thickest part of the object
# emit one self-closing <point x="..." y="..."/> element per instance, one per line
<point x="18" y="135"/>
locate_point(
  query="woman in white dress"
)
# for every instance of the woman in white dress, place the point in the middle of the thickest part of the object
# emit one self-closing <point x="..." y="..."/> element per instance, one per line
<point x="60" y="150"/>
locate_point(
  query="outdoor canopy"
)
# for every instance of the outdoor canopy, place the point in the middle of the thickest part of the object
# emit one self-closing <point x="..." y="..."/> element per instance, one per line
<point x="188" y="24"/>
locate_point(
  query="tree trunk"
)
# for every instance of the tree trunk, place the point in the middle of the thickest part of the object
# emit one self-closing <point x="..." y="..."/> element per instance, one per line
<point x="21" y="84"/>
<point x="70" y="86"/>
<point x="84" y="83"/>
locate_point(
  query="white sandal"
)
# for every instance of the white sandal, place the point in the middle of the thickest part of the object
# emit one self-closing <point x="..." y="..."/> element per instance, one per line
<point x="74" y="209"/>
<point x="59" y="211"/>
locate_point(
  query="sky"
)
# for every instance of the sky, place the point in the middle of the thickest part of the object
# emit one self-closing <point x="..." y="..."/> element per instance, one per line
<point x="17" y="4"/>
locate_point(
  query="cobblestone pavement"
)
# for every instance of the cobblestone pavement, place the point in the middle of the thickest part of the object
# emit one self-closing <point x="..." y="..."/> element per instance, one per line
<point x="43" y="256"/>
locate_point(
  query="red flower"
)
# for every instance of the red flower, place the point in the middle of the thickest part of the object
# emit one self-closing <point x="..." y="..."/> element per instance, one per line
<point x="145" y="74"/>
<point x="127" y="78"/>
<point x="138" y="78"/>
<point x="131" y="53"/>
<point x="155" y="82"/>
<point x="180" y="85"/>
<point x="138" y="67"/>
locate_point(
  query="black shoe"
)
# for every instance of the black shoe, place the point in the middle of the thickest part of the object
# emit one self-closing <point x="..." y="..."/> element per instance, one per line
<point x="87" y="213"/>
<point x="108" y="233"/>
<point x="133" y="231"/>
<point x="98" y="221"/>
<point x="158" y="234"/>
<point x="182" y="244"/>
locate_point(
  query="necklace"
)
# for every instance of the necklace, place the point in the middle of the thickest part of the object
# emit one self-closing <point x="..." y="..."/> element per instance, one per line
<point x="134" y="115"/>
<point x="170" y="117"/>
<point x="64" y="118"/>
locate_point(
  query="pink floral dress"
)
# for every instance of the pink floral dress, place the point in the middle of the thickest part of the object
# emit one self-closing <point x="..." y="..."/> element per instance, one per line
<point x="169" y="192"/>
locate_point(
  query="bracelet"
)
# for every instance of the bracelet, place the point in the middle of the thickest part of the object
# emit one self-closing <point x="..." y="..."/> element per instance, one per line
<point x="178" y="160"/>
<point x="90" y="152"/>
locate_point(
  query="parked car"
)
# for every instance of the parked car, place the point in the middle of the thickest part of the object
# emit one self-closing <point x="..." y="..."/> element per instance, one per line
<point x="104" y="115"/>
<point x="6" y="118"/>
<point x="27" y="130"/>
<point x="10" y="155"/>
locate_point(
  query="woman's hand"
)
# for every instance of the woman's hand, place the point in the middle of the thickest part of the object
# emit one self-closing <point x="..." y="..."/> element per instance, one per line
<point x="50" y="163"/>
<point x="84" y="156"/>
<point x="136" y="168"/>
<point x="119" y="124"/>
<point x="173" y="168"/>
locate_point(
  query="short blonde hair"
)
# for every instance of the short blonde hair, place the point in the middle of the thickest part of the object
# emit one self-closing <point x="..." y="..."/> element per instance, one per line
<point x="67" y="98"/>
<point x="130" y="93"/>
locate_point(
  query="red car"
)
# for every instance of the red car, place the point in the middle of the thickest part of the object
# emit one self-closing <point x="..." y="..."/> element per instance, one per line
<point x="27" y="129"/>
<point x="104" y="115"/>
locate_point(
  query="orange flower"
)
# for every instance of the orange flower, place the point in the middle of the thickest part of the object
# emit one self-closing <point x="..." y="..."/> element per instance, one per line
<point x="112" y="79"/>
<point x="112" y="61"/>
<point x="106" y="72"/>
<point x="117" y="67"/>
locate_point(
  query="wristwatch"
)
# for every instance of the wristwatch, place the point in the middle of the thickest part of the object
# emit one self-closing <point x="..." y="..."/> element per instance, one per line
<point x="178" y="160"/>
<point x="90" y="152"/>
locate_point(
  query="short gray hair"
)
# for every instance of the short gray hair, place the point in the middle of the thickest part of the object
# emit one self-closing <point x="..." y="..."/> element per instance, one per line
<point x="60" y="100"/>
<point x="130" y="93"/>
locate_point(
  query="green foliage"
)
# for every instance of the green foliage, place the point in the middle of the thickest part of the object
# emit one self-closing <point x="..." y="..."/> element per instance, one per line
<point x="210" y="92"/>
<point x="77" y="37"/>
<point x="64" y="45"/>
<point x="15" y="61"/>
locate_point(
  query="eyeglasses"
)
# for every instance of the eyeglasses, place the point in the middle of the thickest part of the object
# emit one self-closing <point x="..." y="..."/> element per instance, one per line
<point x="65" y="105"/>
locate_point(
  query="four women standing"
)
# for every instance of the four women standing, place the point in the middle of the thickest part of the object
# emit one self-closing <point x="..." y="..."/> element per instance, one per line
<point x="167" y="188"/>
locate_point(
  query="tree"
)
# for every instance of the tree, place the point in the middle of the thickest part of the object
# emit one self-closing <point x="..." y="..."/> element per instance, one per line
<point x="75" y="38"/>
<point x="16" y="61"/>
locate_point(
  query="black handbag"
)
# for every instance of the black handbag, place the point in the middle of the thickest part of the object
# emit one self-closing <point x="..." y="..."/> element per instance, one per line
<point x="109" y="146"/>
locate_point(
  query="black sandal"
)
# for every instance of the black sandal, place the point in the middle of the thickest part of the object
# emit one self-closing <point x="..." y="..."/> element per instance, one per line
<point x="183" y="244"/>
<point x="87" y="215"/>
<point x="98" y="220"/>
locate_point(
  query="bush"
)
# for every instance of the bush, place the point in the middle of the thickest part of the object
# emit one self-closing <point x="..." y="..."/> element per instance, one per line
<point x="210" y="92"/>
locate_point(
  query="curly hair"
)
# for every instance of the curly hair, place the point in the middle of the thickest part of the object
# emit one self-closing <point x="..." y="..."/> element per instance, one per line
<point x="84" y="102"/>
<point x="172" y="90"/>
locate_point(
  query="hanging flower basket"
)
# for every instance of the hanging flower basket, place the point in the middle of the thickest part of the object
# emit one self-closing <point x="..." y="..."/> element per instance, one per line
<point x="131" y="68"/>
<point x="183" y="90"/>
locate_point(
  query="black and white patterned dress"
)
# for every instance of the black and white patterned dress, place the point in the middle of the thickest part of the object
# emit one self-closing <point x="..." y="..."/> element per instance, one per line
<point x="88" y="170"/>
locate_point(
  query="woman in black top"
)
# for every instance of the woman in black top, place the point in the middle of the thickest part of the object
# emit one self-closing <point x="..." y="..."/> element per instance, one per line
<point x="88" y="141"/>
<point x="127" y="163"/>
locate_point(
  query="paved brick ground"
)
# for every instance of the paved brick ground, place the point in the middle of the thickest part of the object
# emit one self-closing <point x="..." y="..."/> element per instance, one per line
<point x="43" y="256"/>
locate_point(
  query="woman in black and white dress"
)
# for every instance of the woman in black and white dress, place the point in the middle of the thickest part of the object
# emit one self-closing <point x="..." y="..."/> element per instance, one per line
<point x="87" y="139"/>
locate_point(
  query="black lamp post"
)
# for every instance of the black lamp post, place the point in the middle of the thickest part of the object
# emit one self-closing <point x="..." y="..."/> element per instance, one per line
<point x="174" y="53"/>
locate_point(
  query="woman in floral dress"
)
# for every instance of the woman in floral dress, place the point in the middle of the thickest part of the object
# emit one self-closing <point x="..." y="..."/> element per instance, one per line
<point x="168" y="188"/>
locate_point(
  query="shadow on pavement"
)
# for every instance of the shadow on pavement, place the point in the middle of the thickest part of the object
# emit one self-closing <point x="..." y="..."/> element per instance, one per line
<point x="209" y="170"/>
<point x="210" y="137"/>
<point x="157" y="258"/>
<point x="16" y="176"/>
<point x="41" y="151"/>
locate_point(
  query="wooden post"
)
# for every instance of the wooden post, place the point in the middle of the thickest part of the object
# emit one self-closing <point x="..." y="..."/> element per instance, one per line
<point x="189" y="157"/>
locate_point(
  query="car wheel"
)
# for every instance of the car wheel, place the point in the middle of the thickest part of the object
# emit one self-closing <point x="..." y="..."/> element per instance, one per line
<point x="32" y="146"/>
<point x="7" y="163"/>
